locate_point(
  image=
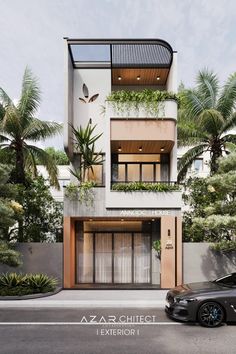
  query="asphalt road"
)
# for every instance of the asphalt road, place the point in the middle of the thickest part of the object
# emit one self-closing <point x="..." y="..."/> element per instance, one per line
<point x="72" y="331"/>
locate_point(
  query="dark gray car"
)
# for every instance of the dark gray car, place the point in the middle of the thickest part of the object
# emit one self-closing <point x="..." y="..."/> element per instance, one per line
<point x="209" y="303"/>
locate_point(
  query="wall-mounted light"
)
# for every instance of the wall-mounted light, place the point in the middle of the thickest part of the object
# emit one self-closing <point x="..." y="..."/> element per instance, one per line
<point x="90" y="120"/>
<point x="140" y="148"/>
<point x="168" y="232"/>
<point x="162" y="149"/>
<point x="119" y="78"/>
<point x="119" y="148"/>
<point x="138" y="78"/>
<point x="158" y="78"/>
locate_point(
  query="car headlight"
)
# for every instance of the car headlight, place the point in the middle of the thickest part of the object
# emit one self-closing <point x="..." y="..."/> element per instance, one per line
<point x="184" y="301"/>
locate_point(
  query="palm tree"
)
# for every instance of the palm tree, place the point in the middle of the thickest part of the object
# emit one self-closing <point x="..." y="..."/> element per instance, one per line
<point x="206" y="116"/>
<point x="19" y="129"/>
<point x="85" y="144"/>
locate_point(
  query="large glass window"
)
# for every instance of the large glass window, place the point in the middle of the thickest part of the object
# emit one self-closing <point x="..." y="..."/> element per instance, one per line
<point x="140" y="167"/>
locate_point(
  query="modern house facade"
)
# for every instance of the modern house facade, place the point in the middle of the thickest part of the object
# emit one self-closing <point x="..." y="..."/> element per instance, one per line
<point x="136" y="202"/>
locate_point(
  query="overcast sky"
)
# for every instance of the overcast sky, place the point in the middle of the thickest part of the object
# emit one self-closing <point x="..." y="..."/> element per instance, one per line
<point x="31" y="33"/>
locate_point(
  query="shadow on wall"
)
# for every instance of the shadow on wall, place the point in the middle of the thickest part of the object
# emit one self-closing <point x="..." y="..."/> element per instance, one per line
<point x="39" y="258"/>
<point x="216" y="264"/>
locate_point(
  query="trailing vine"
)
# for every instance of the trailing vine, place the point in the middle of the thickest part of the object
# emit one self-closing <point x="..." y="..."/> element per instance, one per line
<point x="152" y="101"/>
<point x="83" y="192"/>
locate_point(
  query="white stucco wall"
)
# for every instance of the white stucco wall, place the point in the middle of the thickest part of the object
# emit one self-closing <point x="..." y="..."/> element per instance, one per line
<point x="98" y="81"/>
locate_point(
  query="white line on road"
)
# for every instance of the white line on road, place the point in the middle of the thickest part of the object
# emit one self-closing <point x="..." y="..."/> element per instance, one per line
<point x="86" y="323"/>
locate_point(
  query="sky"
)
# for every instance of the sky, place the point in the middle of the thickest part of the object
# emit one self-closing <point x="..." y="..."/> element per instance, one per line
<point x="31" y="34"/>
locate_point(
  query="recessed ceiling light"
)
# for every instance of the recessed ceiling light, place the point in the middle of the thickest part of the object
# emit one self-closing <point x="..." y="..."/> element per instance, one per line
<point x="158" y="78"/>
<point x="162" y="149"/>
<point x="140" y="148"/>
<point x="119" y="78"/>
<point x="122" y="219"/>
<point x="90" y="219"/>
<point x="138" y="78"/>
<point x="119" y="148"/>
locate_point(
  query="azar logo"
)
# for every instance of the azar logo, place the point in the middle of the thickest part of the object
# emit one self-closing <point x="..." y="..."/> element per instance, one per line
<point x="86" y="98"/>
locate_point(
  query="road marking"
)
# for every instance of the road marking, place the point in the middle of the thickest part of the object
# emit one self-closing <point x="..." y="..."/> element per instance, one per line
<point x="86" y="323"/>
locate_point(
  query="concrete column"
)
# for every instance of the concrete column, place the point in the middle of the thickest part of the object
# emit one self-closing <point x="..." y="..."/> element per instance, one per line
<point x="69" y="253"/>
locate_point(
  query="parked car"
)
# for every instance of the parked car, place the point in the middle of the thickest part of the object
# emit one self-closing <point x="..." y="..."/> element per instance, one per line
<point x="209" y="303"/>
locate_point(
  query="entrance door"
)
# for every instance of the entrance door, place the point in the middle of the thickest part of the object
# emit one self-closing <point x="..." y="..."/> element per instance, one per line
<point x="114" y="258"/>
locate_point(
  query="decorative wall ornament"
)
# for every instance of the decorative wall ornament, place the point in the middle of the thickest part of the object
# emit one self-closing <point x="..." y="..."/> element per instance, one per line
<point x="86" y="98"/>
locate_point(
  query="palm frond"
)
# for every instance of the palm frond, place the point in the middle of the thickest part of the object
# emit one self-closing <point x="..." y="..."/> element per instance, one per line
<point x="187" y="159"/>
<point x="5" y="100"/>
<point x="208" y="86"/>
<point x="10" y="124"/>
<point x="188" y="131"/>
<point x="229" y="138"/>
<point x="226" y="101"/>
<point x="30" y="95"/>
<point x="38" y="129"/>
<point x="193" y="102"/>
<point x="211" y="121"/>
<point x="45" y="159"/>
<point x="229" y="124"/>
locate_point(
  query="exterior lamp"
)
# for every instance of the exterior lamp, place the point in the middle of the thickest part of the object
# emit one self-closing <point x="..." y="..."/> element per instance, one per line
<point x="158" y="78"/>
<point x="138" y="78"/>
<point x="162" y="149"/>
<point x="119" y="78"/>
<point x="119" y="148"/>
<point x="140" y="148"/>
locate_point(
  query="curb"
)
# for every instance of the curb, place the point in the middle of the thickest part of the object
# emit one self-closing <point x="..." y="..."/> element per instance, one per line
<point x="82" y="304"/>
<point x="30" y="296"/>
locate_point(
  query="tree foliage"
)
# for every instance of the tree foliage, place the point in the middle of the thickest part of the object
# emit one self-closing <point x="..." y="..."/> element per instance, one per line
<point x="206" y="116"/>
<point x="212" y="215"/>
<point x="42" y="217"/>
<point x="20" y="129"/>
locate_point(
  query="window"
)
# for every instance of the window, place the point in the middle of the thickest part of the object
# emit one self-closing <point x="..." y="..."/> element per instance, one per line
<point x="198" y="165"/>
<point x="95" y="174"/>
<point x="140" y="167"/>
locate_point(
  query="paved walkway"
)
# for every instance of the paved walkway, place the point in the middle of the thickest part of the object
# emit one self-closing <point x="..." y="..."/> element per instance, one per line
<point x="94" y="299"/>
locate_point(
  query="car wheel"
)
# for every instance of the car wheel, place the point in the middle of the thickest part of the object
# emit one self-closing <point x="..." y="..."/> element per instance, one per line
<point x="210" y="314"/>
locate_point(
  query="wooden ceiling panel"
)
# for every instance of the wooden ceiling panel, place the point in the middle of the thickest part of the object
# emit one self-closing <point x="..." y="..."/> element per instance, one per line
<point x="148" y="147"/>
<point x="147" y="76"/>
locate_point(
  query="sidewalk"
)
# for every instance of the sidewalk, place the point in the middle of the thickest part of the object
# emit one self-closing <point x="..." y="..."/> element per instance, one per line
<point x="94" y="299"/>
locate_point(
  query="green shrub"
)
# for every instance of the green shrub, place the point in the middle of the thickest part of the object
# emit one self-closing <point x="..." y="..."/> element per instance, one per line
<point x="19" y="284"/>
<point x="224" y="246"/>
<point x="143" y="186"/>
<point x="40" y="282"/>
<point x="12" y="280"/>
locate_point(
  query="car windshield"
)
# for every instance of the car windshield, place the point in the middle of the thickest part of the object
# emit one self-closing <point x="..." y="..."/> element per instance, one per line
<point x="228" y="280"/>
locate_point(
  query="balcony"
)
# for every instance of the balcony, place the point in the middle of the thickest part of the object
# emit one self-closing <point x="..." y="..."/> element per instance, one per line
<point x="166" y="109"/>
<point x="139" y="195"/>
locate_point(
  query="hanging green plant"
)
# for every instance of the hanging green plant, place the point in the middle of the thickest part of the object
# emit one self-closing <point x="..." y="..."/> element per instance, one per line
<point x="152" y="101"/>
<point x="83" y="192"/>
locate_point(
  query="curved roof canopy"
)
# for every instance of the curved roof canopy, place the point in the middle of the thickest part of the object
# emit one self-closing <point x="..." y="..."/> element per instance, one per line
<point x="121" y="53"/>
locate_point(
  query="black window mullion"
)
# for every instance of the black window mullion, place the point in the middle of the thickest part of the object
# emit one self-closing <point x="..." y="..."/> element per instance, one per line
<point x="112" y="265"/>
<point x="94" y="253"/>
<point x="132" y="260"/>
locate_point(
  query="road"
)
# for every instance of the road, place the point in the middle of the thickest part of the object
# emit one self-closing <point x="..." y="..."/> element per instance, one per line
<point x="83" y="331"/>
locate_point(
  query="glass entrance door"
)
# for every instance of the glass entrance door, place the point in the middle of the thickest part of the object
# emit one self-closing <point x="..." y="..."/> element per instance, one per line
<point x="114" y="258"/>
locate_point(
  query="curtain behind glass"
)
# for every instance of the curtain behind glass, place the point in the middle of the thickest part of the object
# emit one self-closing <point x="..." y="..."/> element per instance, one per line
<point x="122" y="258"/>
<point x="103" y="258"/>
<point x="141" y="258"/>
<point x="84" y="258"/>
